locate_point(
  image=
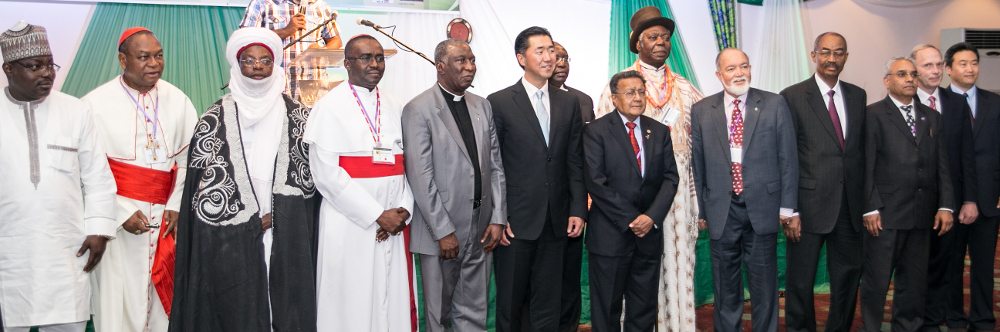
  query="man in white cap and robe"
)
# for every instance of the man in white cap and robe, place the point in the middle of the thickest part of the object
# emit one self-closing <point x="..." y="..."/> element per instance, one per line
<point x="57" y="192"/>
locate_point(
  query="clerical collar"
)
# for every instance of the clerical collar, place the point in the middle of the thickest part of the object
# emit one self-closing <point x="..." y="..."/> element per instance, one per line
<point x="454" y="97"/>
<point x="364" y="90"/>
<point x="647" y="66"/>
<point x="10" y="97"/>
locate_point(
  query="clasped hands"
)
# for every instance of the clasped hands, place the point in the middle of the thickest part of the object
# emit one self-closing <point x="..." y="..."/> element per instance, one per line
<point x="391" y="222"/>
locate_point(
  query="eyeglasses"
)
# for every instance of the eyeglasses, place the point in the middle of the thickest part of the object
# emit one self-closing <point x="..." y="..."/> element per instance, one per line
<point x="828" y="53"/>
<point x="37" y="67"/>
<point x="266" y="62"/>
<point x="367" y="58"/>
<point x="652" y="37"/>
<point x="903" y="74"/>
<point x="633" y="93"/>
<point x="562" y="59"/>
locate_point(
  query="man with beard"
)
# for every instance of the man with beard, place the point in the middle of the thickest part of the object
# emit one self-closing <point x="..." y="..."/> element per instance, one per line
<point x="669" y="98"/>
<point x="569" y="316"/>
<point x="829" y="119"/>
<point x="356" y="156"/>
<point x="746" y="174"/>
<point x="453" y="165"/>
<point x="978" y="235"/>
<point x="539" y="130"/>
<point x="57" y="192"/>
<point x="145" y="124"/>
<point x="908" y="191"/>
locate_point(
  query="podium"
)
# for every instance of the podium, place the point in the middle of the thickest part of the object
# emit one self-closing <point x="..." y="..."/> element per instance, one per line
<point x="313" y="86"/>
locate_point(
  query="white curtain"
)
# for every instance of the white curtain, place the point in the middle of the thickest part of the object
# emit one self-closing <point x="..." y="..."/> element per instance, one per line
<point x="407" y="74"/>
<point x="780" y="57"/>
<point x="496" y="66"/>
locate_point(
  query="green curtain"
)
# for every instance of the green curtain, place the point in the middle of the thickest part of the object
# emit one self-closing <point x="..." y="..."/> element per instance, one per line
<point x="619" y="55"/>
<point x="724" y="19"/>
<point x="193" y="39"/>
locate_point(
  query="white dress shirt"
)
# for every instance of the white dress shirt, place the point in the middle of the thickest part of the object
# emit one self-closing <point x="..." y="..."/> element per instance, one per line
<point x="838" y="101"/>
<point x="638" y="138"/>
<point x="970" y="96"/>
<point x="925" y="98"/>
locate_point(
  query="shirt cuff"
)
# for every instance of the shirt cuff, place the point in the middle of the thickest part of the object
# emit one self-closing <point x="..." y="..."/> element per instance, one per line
<point x="871" y="213"/>
<point x="101" y="226"/>
<point x="946" y="209"/>
<point x="786" y="212"/>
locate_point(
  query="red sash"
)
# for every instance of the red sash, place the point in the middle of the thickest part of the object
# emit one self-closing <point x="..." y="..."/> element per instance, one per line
<point x="152" y="186"/>
<point x="362" y="167"/>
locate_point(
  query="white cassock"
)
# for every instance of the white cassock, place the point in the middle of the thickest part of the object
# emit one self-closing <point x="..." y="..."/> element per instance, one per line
<point x="124" y="297"/>
<point x="56" y="190"/>
<point x="362" y="285"/>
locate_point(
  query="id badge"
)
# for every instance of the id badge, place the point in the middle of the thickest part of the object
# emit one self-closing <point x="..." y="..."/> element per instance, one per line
<point x="736" y="154"/>
<point x="671" y="116"/>
<point x="383" y="156"/>
<point x="156" y="155"/>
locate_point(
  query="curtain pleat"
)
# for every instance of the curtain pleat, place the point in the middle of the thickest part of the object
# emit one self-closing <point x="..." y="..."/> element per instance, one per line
<point x="619" y="55"/>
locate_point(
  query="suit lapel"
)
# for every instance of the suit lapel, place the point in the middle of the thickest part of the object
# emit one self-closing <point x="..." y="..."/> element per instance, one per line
<point x="822" y="112"/>
<point x="444" y="113"/>
<point x="855" y="115"/>
<point x="721" y="130"/>
<point x="923" y="124"/>
<point x="896" y="117"/>
<point x="750" y="116"/>
<point x="524" y="105"/>
<point x="647" y="137"/>
<point x="479" y="129"/>
<point x="981" y="117"/>
<point x="620" y="134"/>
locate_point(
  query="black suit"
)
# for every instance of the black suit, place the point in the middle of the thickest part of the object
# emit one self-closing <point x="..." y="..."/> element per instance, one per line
<point x="623" y="265"/>
<point x="831" y="182"/>
<point x="907" y="180"/>
<point x="544" y="188"/>
<point x="981" y="158"/>
<point x="569" y="317"/>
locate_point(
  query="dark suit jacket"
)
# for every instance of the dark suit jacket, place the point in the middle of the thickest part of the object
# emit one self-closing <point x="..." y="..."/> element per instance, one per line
<point x="586" y="104"/>
<point x="826" y="171"/>
<point x="986" y="150"/>
<point x="956" y="128"/>
<point x="619" y="192"/>
<point x="906" y="178"/>
<point x="543" y="182"/>
<point x="770" y="163"/>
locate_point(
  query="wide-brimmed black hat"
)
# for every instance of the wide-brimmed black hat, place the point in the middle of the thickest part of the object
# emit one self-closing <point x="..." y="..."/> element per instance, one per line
<point x="644" y="18"/>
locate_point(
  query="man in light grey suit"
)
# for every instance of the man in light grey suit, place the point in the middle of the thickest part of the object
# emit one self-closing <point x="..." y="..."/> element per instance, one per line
<point x="455" y="172"/>
<point x="746" y="177"/>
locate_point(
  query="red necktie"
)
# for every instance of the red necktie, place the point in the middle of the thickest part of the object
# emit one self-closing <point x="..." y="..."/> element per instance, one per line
<point x="933" y="101"/>
<point x="736" y="141"/>
<point x="635" y="144"/>
<point x="832" y="108"/>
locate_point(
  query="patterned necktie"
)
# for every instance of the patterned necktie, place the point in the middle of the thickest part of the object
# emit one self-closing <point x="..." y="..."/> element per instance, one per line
<point x="542" y="114"/>
<point x="736" y="141"/>
<point x="908" y="109"/>
<point x="635" y="144"/>
<point x="832" y="108"/>
<point x="933" y="102"/>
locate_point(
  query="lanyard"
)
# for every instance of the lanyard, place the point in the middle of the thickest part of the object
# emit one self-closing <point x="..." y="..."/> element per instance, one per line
<point x="376" y="128"/>
<point x="141" y="108"/>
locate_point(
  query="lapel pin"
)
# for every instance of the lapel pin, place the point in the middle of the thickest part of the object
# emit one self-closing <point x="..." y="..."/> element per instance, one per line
<point x="755" y="108"/>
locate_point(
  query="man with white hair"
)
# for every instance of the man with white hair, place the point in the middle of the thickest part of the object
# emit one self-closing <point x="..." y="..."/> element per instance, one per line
<point x="746" y="174"/>
<point x="57" y="192"/>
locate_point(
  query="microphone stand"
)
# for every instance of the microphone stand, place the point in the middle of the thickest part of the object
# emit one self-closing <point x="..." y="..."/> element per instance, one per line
<point x="407" y="47"/>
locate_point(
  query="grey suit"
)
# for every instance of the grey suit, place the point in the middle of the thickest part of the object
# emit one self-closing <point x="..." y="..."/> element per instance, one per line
<point x="441" y="176"/>
<point x="744" y="227"/>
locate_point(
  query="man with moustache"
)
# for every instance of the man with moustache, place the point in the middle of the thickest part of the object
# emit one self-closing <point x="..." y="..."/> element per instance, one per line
<point x="145" y="124"/>
<point x="746" y="174"/>
<point x="57" y="192"/>
<point x="569" y="316"/>
<point x="539" y="130"/>
<point x="956" y="127"/>
<point x="356" y="157"/>
<point x="669" y="98"/>
<point x="632" y="178"/>
<point x="454" y="169"/>
<point x="829" y="119"/>
<point x="908" y="192"/>
<point x="977" y="235"/>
